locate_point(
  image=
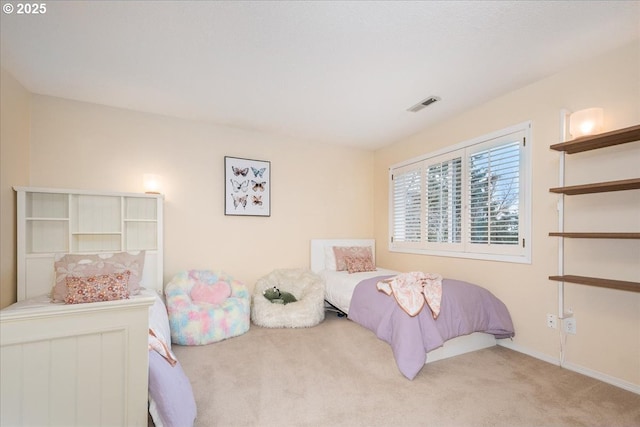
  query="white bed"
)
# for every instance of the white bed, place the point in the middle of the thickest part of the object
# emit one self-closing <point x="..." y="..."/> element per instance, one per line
<point x="88" y="363"/>
<point x="339" y="287"/>
<point x="77" y="364"/>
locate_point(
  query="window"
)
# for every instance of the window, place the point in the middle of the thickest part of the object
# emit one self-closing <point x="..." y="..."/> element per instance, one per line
<point x="471" y="200"/>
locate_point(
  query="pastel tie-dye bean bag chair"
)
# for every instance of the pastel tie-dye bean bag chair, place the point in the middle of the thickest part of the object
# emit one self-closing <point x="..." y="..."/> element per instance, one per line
<point x="206" y="306"/>
<point x="307" y="311"/>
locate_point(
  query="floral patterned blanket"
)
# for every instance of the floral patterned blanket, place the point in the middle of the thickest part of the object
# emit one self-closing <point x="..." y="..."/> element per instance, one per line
<point x="412" y="290"/>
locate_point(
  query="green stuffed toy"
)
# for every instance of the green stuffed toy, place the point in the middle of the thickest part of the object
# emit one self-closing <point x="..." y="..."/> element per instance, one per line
<point x="275" y="296"/>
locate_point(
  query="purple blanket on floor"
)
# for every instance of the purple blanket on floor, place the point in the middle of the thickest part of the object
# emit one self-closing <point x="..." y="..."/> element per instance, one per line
<point x="465" y="308"/>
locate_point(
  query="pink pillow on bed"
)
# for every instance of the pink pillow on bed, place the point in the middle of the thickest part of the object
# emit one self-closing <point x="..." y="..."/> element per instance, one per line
<point x="105" y="287"/>
<point x="341" y="252"/>
<point x="76" y="265"/>
<point x="359" y="264"/>
<point x="212" y="294"/>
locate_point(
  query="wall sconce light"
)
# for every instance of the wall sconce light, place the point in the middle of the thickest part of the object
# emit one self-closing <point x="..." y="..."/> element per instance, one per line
<point x="589" y="121"/>
<point x="152" y="183"/>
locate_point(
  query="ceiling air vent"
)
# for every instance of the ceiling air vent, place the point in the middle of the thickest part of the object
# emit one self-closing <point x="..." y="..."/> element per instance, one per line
<point x="424" y="103"/>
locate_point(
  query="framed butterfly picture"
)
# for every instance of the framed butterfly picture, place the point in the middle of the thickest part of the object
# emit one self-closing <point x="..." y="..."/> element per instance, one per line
<point x="247" y="187"/>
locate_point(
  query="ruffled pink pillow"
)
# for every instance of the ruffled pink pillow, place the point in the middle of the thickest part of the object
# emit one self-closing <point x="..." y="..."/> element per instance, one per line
<point x="212" y="294"/>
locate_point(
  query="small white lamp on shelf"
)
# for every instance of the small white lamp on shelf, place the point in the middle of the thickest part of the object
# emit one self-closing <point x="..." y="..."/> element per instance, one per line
<point x="589" y="121"/>
<point x="152" y="183"/>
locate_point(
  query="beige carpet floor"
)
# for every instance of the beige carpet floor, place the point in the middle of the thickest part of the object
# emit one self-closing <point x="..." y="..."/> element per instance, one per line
<point x="339" y="373"/>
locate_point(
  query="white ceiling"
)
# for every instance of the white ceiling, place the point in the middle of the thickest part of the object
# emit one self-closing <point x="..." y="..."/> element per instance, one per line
<point x="331" y="71"/>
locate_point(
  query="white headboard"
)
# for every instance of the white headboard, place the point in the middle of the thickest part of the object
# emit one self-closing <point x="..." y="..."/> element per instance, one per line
<point x="52" y="222"/>
<point x="318" y="249"/>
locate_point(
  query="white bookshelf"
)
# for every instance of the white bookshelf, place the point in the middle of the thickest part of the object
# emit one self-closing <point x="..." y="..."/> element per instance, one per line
<point x="56" y="221"/>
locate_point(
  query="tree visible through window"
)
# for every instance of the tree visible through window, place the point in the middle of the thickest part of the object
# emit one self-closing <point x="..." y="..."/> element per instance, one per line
<point x="444" y="201"/>
<point x="469" y="201"/>
<point x="494" y="195"/>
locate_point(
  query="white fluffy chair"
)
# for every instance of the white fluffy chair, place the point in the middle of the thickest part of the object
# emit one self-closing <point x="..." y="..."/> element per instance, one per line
<point x="307" y="311"/>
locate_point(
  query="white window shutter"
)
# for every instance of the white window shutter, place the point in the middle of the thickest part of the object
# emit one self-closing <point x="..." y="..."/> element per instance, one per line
<point x="444" y="201"/>
<point x="407" y="204"/>
<point x="472" y="200"/>
<point x="494" y="194"/>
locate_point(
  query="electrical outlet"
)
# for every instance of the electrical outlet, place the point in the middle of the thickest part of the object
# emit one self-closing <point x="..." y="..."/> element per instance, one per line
<point x="570" y="325"/>
<point x="552" y="321"/>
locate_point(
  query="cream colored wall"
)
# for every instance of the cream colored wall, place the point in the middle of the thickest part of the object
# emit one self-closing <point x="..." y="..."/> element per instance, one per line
<point x="607" y="342"/>
<point x="14" y="170"/>
<point x="79" y="145"/>
<point x="318" y="191"/>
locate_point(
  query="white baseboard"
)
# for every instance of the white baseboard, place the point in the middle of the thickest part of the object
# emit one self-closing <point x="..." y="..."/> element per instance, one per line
<point x="626" y="385"/>
<point x="515" y="347"/>
<point x="634" y="388"/>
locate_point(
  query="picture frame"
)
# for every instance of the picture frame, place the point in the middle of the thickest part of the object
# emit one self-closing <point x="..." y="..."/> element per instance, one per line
<point x="247" y="187"/>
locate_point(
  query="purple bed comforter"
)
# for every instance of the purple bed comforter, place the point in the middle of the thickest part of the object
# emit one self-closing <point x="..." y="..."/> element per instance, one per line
<point x="465" y="308"/>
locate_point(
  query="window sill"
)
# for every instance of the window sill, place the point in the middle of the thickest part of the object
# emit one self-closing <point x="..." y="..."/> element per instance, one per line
<point x="518" y="259"/>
